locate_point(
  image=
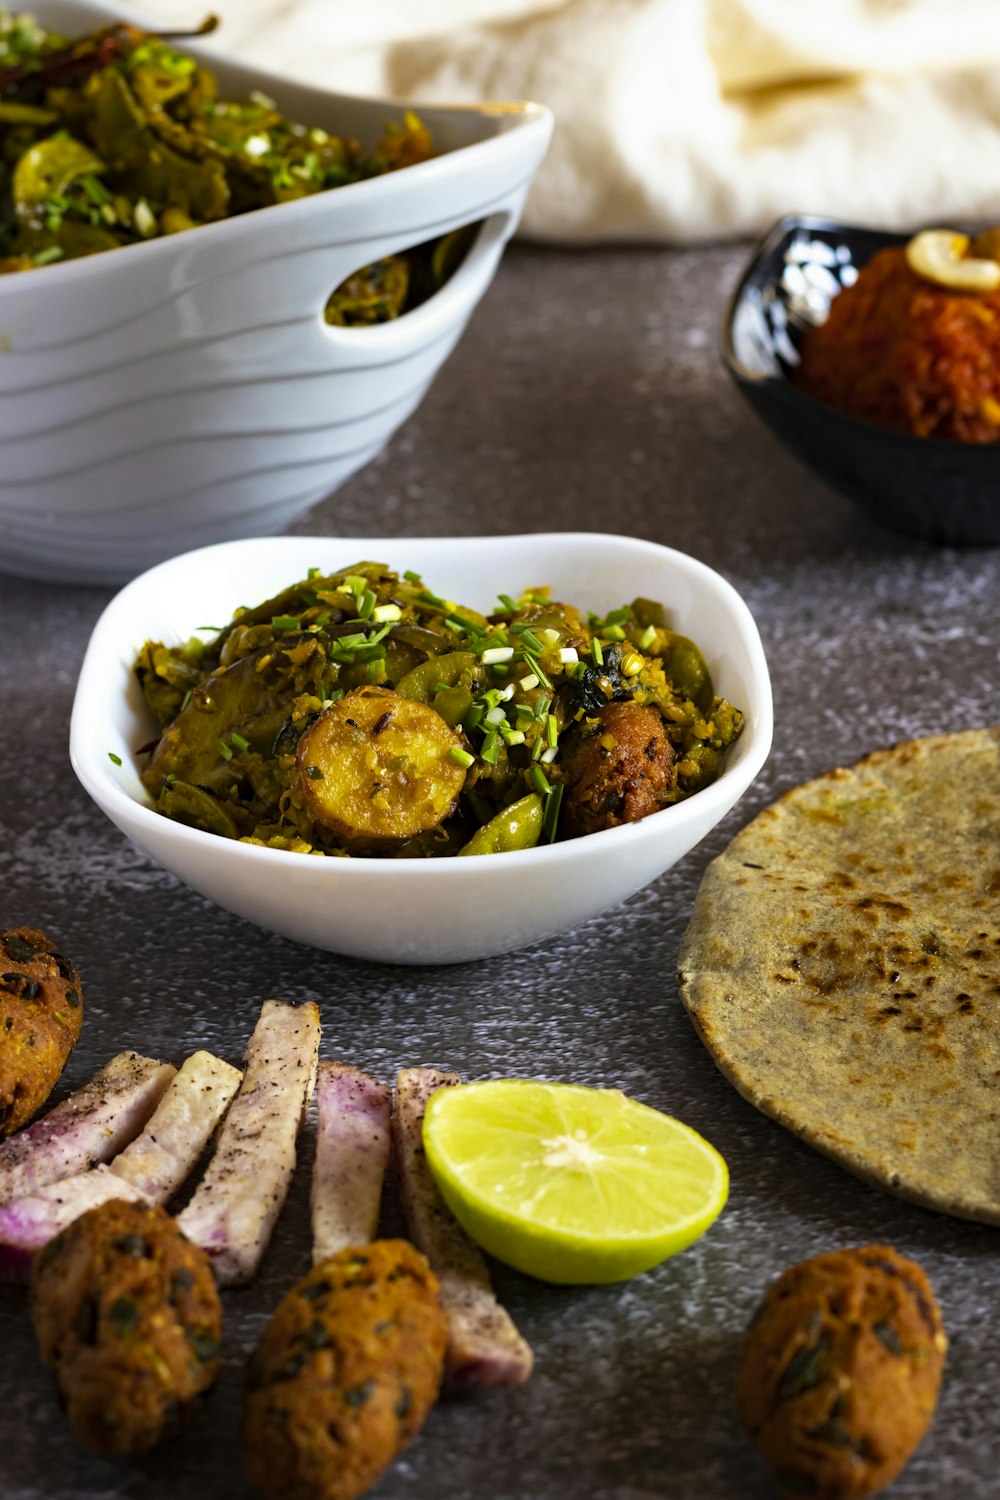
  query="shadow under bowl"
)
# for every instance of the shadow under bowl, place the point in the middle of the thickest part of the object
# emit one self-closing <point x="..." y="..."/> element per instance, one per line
<point x="939" y="491"/>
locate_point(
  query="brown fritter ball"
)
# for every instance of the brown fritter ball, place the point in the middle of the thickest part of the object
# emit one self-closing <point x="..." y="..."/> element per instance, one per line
<point x="619" y="772"/>
<point x="127" y="1313"/>
<point x="840" y="1373"/>
<point x="41" y="1012"/>
<point x="345" y="1374"/>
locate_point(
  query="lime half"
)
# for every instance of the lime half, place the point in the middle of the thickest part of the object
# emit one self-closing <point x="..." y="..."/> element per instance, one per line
<point x="571" y="1184"/>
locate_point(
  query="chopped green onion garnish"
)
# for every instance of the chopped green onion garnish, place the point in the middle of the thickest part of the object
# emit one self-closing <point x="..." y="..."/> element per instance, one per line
<point x="536" y="669"/>
<point x="238" y="740"/>
<point x="550" y="818"/>
<point x="366" y="603"/>
<point x="508" y="603"/>
<point x="613" y="633"/>
<point x="647" y="638"/>
<point x="512" y="736"/>
<point x="496" y="716"/>
<point x="387" y="612"/>
<point x="568" y="655"/>
<point x="278" y="622"/>
<point x="412" y="577"/>
<point x="528" y="637"/>
<point x="428" y="598"/>
<point x="496" y="654"/>
<point x="115" y="760"/>
<point x="548" y="756"/>
<point x="314" y="573"/>
<point x="552" y="730"/>
<point x="46" y="257"/>
<point x="490" y="750"/>
<point x="598" y="654"/>
<point x="225" y="751"/>
<point x="541" y="781"/>
<point x="529" y="682"/>
<point x="550" y="636"/>
<point x="542" y="704"/>
<point x="356" y="583"/>
<point x="461" y="757"/>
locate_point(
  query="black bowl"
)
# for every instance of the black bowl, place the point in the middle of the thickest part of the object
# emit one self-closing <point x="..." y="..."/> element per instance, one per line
<point x="937" y="490"/>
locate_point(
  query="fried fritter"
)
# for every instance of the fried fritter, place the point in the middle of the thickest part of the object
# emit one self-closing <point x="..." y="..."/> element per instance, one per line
<point x="127" y="1313"/>
<point x="345" y="1374"/>
<point x="41" y="1012"/>
<point x="620" y="771"/>
<point x="840" y="1373"/>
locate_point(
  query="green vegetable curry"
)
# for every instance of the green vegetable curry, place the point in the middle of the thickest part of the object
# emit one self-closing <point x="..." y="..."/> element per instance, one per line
<point x="117" y="137"/>
<point x="358" y="712"/>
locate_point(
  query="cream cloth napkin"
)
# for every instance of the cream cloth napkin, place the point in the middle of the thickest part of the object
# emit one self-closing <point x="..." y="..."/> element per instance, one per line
<point x="683" y="119"/>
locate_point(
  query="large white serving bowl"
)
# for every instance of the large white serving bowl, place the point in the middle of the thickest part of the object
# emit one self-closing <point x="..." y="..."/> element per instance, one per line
<point x="187" y="390"/>
<point x="416" y="911"/>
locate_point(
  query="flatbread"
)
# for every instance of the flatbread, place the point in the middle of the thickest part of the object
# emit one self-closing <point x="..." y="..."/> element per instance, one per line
<point x="842" y="966"/>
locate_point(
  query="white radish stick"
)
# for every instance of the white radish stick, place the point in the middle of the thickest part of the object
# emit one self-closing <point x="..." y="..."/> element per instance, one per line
<point x="162" y="1157"/>
<point x="484" y="1346"/>
<point x="91" y="1126"/>
<point x="27" y="1224"/>
<point x="150" y="1170"/>
<point x="353" y="1140"/>
<point x="237" y="1202"/>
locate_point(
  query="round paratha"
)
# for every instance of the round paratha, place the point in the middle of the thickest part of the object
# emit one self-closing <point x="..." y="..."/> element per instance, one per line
<point x="842" y="966"/>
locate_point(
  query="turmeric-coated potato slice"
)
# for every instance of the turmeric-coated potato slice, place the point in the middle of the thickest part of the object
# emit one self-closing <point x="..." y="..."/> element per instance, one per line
<point x="376" y="768"/>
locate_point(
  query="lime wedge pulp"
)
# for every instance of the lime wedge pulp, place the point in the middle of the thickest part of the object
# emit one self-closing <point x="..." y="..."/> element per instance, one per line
<point x="571" y="1184"/>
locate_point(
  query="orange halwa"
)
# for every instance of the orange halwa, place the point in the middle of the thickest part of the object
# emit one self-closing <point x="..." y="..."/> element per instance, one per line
<point x="906" y="354"/>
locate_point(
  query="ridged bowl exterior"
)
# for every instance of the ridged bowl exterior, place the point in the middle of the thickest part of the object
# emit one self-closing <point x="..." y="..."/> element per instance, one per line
<point x="188" y="390"/>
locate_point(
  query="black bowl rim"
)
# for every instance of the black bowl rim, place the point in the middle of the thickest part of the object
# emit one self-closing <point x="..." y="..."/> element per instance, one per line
<point x="782" y="387"/>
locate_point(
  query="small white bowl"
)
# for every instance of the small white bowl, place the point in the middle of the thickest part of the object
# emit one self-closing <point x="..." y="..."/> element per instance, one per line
<point x="416" y="911"/>
<point x="188" y="390"/>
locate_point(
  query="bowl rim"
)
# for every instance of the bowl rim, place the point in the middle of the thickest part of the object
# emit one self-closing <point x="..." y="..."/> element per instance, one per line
<point x="524" y="113"/>
<point x="87" y="759"/>
<point x="780" y="385"/>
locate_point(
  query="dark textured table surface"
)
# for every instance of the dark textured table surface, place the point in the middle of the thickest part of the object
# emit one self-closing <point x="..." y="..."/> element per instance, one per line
<point x="587" y="393"/>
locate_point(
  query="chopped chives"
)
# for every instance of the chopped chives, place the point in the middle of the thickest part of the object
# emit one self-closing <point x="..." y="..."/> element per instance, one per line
<point x="461" y="757"/>
<point x="115" y="760"/>
<point x="355" y="583"/>
<point x="613" y="633"/>
<point x="598" y="654"/>
<point x="366" y="603"/>
<point x="46" y="257"/>
<point x="278" y="622"/>
<point x="508" y="603"/>
<point x="617" y="616"/>
<point x="240" y="743"/>
<point x="552" y="730"/>
<point x="412" y="577"/>
<point x="314" y="573"/>
<point x="428" y="598"/>
<point x="225" y="751"/>
<point x="542" y="704"/>
<point x="529" y="682"/>
<point x="647" y="638"/>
